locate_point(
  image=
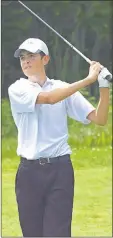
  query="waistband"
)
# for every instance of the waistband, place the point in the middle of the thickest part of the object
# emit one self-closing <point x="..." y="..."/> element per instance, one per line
<point x="43" y="161"/>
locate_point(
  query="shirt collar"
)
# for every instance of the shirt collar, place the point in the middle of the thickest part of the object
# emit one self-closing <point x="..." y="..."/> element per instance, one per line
<point x="47" y="82"/>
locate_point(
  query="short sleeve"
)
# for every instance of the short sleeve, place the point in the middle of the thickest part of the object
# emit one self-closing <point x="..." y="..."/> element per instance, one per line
<point x="23" y="98"/>
<point x="78" y="108"/>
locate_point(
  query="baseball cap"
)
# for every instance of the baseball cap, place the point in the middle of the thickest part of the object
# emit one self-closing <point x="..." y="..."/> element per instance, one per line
<point x="33" y="45"/>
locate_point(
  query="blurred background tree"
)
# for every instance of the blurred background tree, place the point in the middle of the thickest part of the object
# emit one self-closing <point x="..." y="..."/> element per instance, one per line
<point x="86" y="24"/>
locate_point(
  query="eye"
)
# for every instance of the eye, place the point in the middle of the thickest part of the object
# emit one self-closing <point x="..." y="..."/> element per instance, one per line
<point x="22" y="57"/>
<point x="32" y="55"/>
<point x="28" y="56"/>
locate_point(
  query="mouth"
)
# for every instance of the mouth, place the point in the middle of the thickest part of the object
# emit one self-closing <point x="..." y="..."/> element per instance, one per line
<point x="27" y="67"/>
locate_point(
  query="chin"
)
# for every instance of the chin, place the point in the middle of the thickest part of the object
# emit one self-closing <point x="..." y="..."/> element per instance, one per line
<point x="28" y="74"/>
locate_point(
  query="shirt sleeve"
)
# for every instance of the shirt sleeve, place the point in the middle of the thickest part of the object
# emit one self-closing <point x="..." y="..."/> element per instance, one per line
<point x="23" y="99"/>
<point x="78" y="108"/>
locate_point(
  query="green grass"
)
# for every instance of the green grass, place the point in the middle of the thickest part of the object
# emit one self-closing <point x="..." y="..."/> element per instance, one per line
<point x="92" y="213"/>
<point x="92" y="162"/>
<point x="93" y="191"/>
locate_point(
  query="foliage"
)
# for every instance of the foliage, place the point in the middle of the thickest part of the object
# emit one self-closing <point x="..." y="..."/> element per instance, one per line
<point x="85" y="24"/>
<point x="8" y="126"/>
<point x="90" y="135"/>
<point x="79" y="134"/>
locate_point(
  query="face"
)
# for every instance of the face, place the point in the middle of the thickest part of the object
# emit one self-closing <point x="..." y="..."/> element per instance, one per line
<point x="31" y="63"/>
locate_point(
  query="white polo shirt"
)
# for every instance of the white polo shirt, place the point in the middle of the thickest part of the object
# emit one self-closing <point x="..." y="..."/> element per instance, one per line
<point x="42" y="128"/>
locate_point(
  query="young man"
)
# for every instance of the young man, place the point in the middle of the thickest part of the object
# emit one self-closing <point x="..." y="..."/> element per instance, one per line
<point x="40" y="106"/>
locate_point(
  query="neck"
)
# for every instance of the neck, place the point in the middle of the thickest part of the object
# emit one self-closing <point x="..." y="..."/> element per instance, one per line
<point x="38" y="78"/>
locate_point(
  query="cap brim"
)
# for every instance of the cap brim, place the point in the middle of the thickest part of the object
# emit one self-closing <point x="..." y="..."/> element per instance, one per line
<point x="18" y="51"/>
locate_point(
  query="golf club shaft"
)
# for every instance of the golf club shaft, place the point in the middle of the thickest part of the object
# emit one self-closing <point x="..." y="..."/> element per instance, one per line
<point x="75" y="49"/>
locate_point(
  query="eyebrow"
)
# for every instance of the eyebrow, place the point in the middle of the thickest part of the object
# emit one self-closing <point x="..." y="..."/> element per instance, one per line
<point x="29" y="53"/>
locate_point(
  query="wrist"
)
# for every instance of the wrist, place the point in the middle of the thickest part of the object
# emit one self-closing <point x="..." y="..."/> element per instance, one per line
<point x="104" y="89"/>
<point x="88" y="80"/>
<point x="104" y="94"/>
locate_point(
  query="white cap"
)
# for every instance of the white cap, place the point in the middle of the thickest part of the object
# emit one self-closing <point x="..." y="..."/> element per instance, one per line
<point x="32" y="45"/>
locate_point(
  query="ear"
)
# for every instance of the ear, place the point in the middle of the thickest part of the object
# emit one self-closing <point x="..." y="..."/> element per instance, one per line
<point x="46" y="59"/>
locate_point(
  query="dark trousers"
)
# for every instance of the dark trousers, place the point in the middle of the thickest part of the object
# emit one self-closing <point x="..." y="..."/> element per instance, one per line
<point x="45" y="197"/>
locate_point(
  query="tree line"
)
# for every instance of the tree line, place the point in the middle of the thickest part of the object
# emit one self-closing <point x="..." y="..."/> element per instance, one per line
<point x="85" y="24"/>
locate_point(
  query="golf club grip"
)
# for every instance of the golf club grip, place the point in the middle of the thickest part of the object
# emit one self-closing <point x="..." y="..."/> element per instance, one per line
<point x="109" y="78"/>
<point x="105" y="74"/>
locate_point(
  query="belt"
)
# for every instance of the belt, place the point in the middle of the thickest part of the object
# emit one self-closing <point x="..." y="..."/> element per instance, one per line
<point x="43" y="161"/>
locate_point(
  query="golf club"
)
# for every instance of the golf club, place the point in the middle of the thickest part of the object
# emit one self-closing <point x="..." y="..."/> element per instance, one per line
<point x="104" y="72"/>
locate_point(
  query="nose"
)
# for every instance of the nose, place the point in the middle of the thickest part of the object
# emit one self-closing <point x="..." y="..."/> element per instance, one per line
<point x="26" y="61"/>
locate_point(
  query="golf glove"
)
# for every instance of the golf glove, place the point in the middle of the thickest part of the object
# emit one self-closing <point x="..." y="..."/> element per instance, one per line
<point x="104" y="78"/>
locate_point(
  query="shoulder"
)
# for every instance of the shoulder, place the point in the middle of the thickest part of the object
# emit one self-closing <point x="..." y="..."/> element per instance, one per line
<point x="18" y="85"/>
<point x="59" y="83"/>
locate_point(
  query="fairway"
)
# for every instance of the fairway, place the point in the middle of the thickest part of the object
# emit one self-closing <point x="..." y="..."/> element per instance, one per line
<point x="93" y="194"/>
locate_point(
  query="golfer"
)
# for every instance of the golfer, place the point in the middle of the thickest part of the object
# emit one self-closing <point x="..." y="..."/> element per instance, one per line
<point x="44" y="182"/>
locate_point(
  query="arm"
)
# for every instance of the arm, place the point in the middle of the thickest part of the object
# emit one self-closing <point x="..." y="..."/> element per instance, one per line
<point x="23" y="97"/>
<point x="59" y="94"/>
<point x="100" y="115"/>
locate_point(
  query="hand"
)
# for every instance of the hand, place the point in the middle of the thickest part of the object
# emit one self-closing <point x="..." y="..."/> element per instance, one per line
<point x="94" y="71"/>
<point x="103" y="82"/>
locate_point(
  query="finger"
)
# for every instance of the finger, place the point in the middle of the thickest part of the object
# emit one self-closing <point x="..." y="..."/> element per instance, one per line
<point x="96" y="68"/>
<point x="102" y="66"/>
<point x="99" y="65"/>
<point x="93" y="62"/>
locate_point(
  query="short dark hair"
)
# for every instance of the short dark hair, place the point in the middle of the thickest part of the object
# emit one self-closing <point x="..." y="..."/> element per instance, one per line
<point x="42" y="54"/>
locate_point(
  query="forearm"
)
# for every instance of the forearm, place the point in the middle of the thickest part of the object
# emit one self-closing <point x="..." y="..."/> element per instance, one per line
<point x="60" y="94"/>
<point x="100" y="115"/>
<point x="103" y="106"/>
